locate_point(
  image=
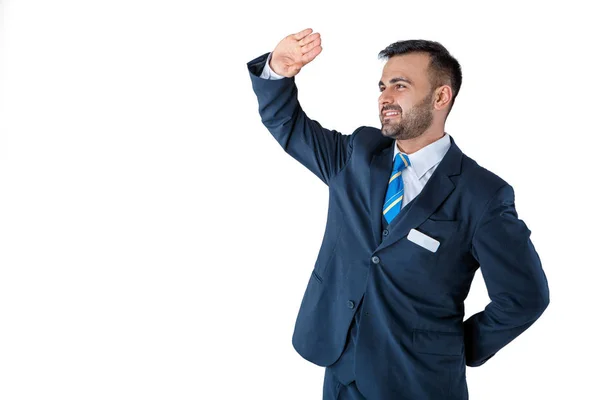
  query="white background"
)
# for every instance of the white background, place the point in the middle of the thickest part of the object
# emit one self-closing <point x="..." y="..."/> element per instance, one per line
<point x="155" y="240"/>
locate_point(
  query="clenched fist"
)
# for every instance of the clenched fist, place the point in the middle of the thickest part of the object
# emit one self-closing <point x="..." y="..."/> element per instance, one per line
<point x="294" y="52"/>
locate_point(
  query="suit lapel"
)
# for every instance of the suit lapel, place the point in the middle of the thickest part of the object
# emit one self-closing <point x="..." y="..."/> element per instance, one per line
<point x="381" y="168"/>
<point x="438" y="188"/>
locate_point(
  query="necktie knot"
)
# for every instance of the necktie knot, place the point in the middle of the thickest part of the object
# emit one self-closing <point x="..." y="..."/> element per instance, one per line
<point x="400" y="162"/>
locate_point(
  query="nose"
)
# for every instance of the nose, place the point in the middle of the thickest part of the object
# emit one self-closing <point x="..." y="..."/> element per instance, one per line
<point x="385" y="98"/>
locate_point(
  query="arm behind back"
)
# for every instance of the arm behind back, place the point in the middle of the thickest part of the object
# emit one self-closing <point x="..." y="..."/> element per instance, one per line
<point x="514" y="277"/>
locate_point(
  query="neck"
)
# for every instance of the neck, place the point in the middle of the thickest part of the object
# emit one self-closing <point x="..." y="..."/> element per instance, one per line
<point x="410" y="146"/>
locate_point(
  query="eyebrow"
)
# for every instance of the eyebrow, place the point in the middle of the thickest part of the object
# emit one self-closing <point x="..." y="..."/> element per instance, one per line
<point x="397" y="79"/>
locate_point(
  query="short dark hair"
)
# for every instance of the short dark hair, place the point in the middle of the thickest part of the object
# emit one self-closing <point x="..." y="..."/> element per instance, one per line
<point x="443" y="68"/>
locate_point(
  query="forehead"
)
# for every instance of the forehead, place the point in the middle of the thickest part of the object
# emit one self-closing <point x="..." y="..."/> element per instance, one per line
<point x="412" y="66"/>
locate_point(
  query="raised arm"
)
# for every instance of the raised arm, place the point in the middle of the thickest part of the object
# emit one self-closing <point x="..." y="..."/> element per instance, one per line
<point x="322" y="151"/>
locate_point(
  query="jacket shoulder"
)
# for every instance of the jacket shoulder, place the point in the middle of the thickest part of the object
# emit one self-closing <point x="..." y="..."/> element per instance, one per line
<point x="370" y="139"/>
<point x="483" y="182"/>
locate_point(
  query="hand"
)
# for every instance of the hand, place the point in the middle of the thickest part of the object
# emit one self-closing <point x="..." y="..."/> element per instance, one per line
<point x="294" y="52"/>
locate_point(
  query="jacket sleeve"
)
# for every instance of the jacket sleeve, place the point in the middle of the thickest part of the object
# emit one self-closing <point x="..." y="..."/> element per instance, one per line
<point x="322" y="151"/>
<point x="513" y="275"/>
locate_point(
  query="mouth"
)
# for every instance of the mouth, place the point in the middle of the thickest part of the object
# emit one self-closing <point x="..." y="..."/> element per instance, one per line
<point x="390" y="114"/>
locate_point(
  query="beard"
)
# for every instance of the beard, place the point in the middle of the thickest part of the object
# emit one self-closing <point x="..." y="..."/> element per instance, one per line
<point x="411" y="125"/>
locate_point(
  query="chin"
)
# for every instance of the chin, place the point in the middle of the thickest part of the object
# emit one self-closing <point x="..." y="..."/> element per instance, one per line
<point x="388" y="131"/>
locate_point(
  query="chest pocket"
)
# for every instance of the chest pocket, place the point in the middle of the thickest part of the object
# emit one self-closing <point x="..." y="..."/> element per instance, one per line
<point x="444" y="231"/>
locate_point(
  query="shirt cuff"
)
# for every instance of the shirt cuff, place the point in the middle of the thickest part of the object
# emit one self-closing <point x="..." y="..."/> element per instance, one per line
<point x="268" y="73"/>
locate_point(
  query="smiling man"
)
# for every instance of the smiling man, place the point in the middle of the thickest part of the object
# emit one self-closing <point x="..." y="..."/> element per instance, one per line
<point x="411" y="218"/>
<point x="406" y="103"/>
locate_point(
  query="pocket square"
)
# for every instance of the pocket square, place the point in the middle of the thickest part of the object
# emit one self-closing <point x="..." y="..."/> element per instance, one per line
<point x="423" y="240"/>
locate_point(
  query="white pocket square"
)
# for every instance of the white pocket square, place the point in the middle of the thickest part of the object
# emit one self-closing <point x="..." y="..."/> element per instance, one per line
<point x="423" y="240"/>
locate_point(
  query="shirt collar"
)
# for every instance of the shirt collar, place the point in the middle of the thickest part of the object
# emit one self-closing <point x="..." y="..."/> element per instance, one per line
<point x="429" y="156"/>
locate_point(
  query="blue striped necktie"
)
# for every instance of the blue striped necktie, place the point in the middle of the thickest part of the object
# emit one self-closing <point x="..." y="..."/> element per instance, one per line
<point x="395" y="191"/>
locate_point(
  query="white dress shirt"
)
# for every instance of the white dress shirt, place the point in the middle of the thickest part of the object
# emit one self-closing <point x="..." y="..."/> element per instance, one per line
<point x="422" y="162"/>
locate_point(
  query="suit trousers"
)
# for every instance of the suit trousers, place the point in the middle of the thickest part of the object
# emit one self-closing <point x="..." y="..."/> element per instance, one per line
<point x="333" y="389"/>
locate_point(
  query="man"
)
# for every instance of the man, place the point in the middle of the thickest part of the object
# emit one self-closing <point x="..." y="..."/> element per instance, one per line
<point x="411" y="218"/>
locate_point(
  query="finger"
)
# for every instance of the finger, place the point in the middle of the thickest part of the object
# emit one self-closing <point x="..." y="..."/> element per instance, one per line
<point x="309" y="39"/>
<point x="303" y="33"/>
<point x="308" y="47"/>
<point x="308" y="57"/>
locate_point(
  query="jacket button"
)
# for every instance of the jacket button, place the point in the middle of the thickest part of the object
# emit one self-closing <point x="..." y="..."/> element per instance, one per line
<point x="385" y="232"/>
<point x="350" y="304"/>
<point x="375" y="259"/>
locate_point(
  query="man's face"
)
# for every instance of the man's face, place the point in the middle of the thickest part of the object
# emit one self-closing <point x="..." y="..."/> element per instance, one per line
<point x="405" y="89"/>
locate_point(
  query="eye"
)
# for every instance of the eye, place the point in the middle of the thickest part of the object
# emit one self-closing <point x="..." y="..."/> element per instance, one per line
<point x="399" y="86"/>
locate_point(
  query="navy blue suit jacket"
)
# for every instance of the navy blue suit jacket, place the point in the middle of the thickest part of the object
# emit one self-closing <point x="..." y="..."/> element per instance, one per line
<point x="413" y="341"/>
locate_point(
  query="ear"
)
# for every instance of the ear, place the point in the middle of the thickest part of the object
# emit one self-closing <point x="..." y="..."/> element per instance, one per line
<point x="443" y="97"/>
